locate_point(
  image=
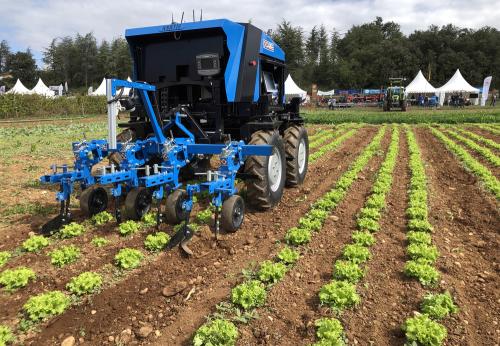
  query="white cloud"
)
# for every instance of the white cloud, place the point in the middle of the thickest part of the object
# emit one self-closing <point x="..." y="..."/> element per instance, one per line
<point x="34" y="23"/>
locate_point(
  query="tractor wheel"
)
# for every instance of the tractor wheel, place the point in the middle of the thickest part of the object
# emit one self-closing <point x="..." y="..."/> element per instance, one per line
<point x="403" y="106"/>
<point x="93" y="200"/>
<point x="125" y="136"/>
<point x="137" y="203"/>
<point x="265" y="188"/>
<point x="297" y="154"/>
<point x="233" y="213"/>
<point x="174" y="213"/>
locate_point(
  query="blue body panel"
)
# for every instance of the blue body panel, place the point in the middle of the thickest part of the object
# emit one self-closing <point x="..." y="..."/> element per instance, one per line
<point x="270" y="48"/>
<point x="235" y="34"/>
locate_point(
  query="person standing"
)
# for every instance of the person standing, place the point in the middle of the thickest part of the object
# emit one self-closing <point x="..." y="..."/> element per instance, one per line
<point x="493" y="100"/>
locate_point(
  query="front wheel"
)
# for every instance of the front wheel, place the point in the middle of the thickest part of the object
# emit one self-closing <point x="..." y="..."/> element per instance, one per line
<point x="138" y="202"/>
<point x="265" y="188"/>
<point x="233" y="213"/>
<point x="93" y="200"/>
<point x="297" y="155"/>
<point x="174" y="212"/>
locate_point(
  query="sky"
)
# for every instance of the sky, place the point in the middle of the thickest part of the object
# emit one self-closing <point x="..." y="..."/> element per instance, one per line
<point x="34" y="23"/>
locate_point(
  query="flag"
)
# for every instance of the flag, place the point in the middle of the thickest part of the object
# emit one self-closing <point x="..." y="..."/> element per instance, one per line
<point x="486" y="90"/>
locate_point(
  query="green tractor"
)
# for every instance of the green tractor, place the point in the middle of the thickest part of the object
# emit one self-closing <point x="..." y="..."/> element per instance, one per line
<point x="395" y="96"/>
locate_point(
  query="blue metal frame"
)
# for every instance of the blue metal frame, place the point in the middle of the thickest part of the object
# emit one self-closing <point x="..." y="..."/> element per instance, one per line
<point x="176" y="153"/>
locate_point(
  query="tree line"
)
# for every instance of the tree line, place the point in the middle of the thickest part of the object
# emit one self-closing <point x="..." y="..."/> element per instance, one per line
<point x="80" y="61"/>
<point x="365" y="56"/>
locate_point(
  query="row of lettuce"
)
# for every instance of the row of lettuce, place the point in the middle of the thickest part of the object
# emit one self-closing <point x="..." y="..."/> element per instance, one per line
<point x="48" y="304"/>
<point x="423" y="328"/>
<point x="43" y="306"/>
<point x="220" y="329"/>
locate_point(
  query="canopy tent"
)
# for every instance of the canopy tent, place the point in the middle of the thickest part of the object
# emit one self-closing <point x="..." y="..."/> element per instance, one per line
<point x="41" y="89"/>
<point x="126" y="91"/>
<point x="19" y="89"/>
<point x="457" y="84"/>
<point x="292" y="89"/>
<point x="326" y="93"/>
<point x="420" y="85"/>
<point x="101" y="90"/>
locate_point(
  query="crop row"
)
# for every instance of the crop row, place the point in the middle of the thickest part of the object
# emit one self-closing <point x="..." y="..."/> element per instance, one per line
<point x="252" y="293"/>
<point x="489" y="128"/>
<point x="332" y="145"/>
<point x="484" y="174"/>
<point x="48" y="304"/>
<point x="422" y="329"/>
<point x="87" y="282"/>
<point x="321" y="137"/>
<point x="340" y="293"/>
<point x="487" y="141"/>
<point x="485" y="152"/>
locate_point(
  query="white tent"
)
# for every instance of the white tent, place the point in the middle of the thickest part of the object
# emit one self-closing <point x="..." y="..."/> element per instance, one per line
<point x="326" y="93"/>
<point x="41" y="89"/>
<point x="126" y="91"/>
<point x="420" y="85"/>
<point x="101" y="90"/>
<point x="19" y="89"/>
<point x="292" y="89"/>
<point x="457" y="84"/>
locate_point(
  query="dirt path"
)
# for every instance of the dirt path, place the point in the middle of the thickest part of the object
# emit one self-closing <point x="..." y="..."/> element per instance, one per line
<point x="292" y="305"/>
<point x="212" y="272"/>
<point x="466" y="220"/>
<point x="387" y="296"/>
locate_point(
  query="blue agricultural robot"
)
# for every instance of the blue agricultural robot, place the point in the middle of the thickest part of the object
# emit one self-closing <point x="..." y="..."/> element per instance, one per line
<point x="200" y="89"/>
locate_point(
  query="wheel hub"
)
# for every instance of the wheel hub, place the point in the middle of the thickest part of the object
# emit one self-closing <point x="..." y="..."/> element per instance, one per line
<point x="301" y="157"/>
<point x="274" y="170"/>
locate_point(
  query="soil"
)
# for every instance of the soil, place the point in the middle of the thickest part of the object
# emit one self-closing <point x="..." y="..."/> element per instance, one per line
<point x="484" y="133"/>
<point x="165" y="300"/>
<point x="292" y="305"/>
<point x="209" y="275"/>
<point x="466" y="220"/>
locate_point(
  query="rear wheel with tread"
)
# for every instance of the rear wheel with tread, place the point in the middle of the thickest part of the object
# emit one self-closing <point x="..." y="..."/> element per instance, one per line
<point x="297" y="155"/>
<point x="268" y="173"/>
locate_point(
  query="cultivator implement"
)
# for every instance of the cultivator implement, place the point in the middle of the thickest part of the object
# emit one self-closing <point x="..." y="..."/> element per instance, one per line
<point x="149" y="171"/>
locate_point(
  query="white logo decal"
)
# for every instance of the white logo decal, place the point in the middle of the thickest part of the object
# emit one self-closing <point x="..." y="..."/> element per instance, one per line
<point x="268" y="45"/>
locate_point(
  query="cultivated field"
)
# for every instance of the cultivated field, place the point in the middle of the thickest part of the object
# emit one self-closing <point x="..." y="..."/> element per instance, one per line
<point x="389" y="219"/>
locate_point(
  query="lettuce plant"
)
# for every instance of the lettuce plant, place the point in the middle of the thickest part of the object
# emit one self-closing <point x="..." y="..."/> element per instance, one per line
<point x="46" y="305"/>
<point x="157" y="241"/>
<point x="339" y="295"/>
<point x="271" y="272"/>
<point x="19" y="277"/>
<point x="87" y="282"/>
<point x="288" y="255"/>
<point x="421" y="330"/>
<point x="35" y="243"/>
<point x="217" y="332"/>
<point x="438" y="306"/>
<point x="64" y="255"/>
<point x="128" y="258"/>
<point x="249" y="295"/>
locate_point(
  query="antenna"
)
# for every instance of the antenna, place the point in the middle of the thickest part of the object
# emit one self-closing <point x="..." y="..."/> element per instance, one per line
<point x="172" y="17"/>
<point x="182" y="18"/>
<point x="194" y="20"/>
<point x="201" y="14"/>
